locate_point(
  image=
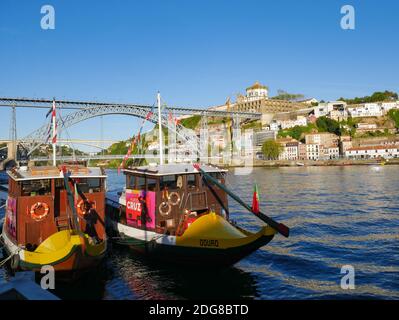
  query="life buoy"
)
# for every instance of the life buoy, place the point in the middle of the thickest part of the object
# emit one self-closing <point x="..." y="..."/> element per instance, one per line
<point x="177" y="200"/>
<point x="37" y="206"/>
<point x="82" y="209"/>
<point x="166" y="212"/>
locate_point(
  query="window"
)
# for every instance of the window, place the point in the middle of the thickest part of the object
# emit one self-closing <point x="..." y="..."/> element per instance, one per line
<point x="168" y="182"/>
<point x="94" y="182"/>
<point x="131" y="182"/>
<point x="151" y="184"/>
<point x="140" y="183"/>
<point x="36" y="187"/>
<point x="191" y="181"/>
<point x="89" y="185"/>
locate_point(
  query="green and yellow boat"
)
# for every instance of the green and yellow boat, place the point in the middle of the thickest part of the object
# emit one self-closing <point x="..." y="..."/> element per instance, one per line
<point x="45" y="224"/>
<point x="179" y="212"/>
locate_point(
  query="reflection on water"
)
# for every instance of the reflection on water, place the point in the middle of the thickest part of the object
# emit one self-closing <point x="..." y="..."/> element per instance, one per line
<point x="337" y="215"/>
<point x="149" y="280"/>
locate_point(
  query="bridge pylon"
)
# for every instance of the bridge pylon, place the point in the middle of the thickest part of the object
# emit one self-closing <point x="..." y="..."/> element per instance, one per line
<point x="12" y="147"/>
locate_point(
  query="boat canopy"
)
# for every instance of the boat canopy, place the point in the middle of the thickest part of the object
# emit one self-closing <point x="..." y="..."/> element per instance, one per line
<point x="49" y="172"/>
<point x="169" y="169"/>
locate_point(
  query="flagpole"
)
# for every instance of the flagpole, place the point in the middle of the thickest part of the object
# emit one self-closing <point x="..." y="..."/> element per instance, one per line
<point x="160" y="129"/>
<point x="54" y="140"/>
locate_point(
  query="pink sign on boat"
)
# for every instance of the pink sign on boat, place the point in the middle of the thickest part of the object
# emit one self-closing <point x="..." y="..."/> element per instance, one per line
<point x="140" y="208"/>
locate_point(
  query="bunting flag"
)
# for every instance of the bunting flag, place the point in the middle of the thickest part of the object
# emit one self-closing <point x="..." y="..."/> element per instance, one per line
<point x="48" y="136"/>
<point x="135" y="141"/>
<point x="255" y="200"/>
<point x="49" y="112"/>
<point x="76" y="194"/>
<point x="53" y="118"/>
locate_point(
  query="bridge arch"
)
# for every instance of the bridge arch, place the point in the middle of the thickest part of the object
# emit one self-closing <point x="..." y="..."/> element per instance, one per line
<point x="38" y="137"/>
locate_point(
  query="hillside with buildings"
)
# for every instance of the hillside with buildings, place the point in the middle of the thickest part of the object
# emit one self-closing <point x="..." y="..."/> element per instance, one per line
<point x="359" y="128"/>
<point x="304" y="129"/>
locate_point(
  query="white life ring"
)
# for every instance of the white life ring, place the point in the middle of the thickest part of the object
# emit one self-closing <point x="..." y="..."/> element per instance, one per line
<point x="162" y="211"/>
<point x="174" y="194"/>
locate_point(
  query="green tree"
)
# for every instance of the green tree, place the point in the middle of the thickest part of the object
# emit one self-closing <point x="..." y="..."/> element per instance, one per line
<point x="325" y="124"/>
<point x="271" y="149"/>
<point x="394" y="115"/>
<point x="297" y="132"/>
<point x="375" y="97"/>
<point x="191" y="122"/>
<point x="283" y="95"/>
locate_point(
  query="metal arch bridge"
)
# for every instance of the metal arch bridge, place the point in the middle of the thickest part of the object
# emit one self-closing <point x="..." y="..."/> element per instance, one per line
<point x="95" y="143"/>
<point x="96" y="157"/>
<point x="87" y="110"/>
<point x="76" y="105"/>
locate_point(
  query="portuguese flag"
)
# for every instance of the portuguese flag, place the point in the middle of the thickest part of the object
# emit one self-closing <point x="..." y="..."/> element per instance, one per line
<point x="255" y="199"/>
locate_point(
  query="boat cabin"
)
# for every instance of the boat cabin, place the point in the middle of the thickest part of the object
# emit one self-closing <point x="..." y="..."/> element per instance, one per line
<point x="38" y="206"/>
<point x="167" y="198"/>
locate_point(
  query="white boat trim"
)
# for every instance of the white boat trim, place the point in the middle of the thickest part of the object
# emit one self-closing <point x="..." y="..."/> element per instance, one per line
<point x="144" y="235"/>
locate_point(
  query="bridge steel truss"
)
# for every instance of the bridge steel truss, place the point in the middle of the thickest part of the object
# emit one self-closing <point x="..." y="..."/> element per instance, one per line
<point x="87" y="110"/>
<point x="73" y="105"/>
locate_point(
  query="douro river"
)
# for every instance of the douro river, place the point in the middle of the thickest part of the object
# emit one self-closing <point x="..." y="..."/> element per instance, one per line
<point x="339" y="216"/>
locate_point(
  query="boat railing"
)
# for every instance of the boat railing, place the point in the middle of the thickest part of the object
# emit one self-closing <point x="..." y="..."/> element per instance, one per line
<point x="197" y="201"/>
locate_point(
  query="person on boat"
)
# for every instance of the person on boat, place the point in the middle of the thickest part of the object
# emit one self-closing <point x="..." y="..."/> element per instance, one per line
<point x="91" y="218"/>
<point x="144" y="218"/>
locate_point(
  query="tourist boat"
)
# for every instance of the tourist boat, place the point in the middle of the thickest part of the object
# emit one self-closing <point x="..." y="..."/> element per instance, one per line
<point x="47" y="223"/>
<point x="179" y="212"/>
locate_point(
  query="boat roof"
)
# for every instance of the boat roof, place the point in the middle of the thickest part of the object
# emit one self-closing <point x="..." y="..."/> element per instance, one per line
<point x="169" y="169"/>
<point x="49" y="172"/>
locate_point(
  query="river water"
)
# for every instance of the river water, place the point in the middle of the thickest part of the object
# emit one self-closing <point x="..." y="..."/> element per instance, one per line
<point x="338" y="216"/>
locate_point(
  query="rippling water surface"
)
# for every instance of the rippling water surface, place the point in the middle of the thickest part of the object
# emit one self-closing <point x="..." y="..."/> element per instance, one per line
<point x="337" y="215"/>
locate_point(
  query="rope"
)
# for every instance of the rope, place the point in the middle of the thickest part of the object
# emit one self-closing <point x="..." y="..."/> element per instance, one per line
<point x="67" y="133"/>
<point x="3" y="262"/>
<point x="2" y="206"/>
<point x="135" y="141"/>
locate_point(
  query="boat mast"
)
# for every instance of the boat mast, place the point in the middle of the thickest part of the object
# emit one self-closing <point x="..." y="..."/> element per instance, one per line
<point x="54" y="140"/>
<point x="160" y="129"/>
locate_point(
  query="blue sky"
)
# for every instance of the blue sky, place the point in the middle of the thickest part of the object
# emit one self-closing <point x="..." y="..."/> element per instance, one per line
<point x="197" y="53"/>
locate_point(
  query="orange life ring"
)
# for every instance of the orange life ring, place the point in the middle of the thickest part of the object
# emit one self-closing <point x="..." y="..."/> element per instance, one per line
<point x="35" y="207"/>
<point x="81" y="207"/>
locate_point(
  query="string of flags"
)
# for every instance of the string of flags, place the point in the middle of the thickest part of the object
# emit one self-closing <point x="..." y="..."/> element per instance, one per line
<point x="135" y="141"/>
<point x="52" y="127"/>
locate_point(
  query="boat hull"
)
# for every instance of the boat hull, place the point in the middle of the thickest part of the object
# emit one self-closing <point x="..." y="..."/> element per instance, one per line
<point x="199" y="245"/>
<point x="64" y="252"/>
<point x="193" y="255"/>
